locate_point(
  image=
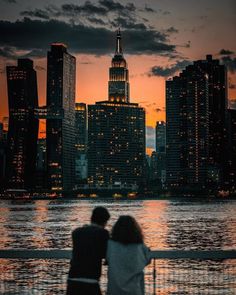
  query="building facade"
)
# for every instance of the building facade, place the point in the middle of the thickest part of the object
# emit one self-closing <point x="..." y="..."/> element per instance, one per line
<point x="23" y="126"/>
<point x="217" y="95"/>
<point x="187" y="129"/>
<point x="160" y="136"/>
<point x="60" y="130"/>
<point x="116" y="132"/>
<point x="230" y="171"/>
<point x="81" y="131"/>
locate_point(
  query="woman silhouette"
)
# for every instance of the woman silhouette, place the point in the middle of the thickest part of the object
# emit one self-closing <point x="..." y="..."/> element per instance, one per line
<point x="127" y="255"/>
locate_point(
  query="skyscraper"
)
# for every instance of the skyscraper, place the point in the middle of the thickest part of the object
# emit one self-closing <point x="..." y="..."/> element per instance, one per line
<point x="230" y="159"/>
<point x="81" y="163"/>
<point x="217" y="93"/>
<point x="160" y="136"/>
<point x="23" y="126"/>
<point x="116" y="132"/>
<point x="187" y="128"/>
<point x="61" y="123"/>
<point x="118" y="85"/>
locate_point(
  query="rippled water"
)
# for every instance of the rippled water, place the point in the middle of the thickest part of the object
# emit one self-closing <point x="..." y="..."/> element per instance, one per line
<point x="167" y="224"/>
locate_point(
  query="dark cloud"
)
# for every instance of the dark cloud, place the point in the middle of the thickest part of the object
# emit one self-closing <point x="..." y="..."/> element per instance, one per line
<point x="166" y="12"/>
<point x="10" y="1"/>
<point x="39" y="13"/>
<point x="112" y="6"/>
<point x="32" y="35"/>
<point x="7" y="52"/>
<point x="149" y="9"/>
<point x="128" y="23"/>
<point x="96" y="21"/>
<point x="87" y="8"/>
<point x="158" y="110"/>
<point x="172" y="30"/>
<point x="169" y="71"/>
<point x="225" y="52"/>
<point x="230" y="63"/>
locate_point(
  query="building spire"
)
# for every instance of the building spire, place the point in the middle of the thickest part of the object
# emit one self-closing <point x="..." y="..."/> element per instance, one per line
<point x="118" y="42"/>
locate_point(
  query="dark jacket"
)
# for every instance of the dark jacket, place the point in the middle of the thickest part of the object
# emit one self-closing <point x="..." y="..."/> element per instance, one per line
<point x="89" y="248"/>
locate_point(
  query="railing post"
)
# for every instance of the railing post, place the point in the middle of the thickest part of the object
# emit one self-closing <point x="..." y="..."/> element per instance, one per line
<point x="154" y="276"/>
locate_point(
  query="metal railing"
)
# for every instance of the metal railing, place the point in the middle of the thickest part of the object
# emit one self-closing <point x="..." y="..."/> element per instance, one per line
<point x="170" y="272"/>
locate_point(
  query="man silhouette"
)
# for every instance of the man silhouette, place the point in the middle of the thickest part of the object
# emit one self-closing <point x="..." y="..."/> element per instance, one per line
<point x="89" y="248"/>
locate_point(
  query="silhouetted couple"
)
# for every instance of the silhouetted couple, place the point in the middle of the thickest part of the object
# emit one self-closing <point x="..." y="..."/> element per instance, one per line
<point x="125" y="253"/>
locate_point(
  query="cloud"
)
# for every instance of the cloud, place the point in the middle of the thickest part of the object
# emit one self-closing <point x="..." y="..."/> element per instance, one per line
<point x="172" y="30"/>
<point x="87" y="8"/>
<point x="36" y="35"/>
<point x="113" y="6"/>
<point x="150" y="130"/>
<point x="168" y="71"/>
<point x="158" y="110"/>
<point x="225" y="52"/>
<point x="149" y="9"/>
<point x="10" y="1"/>
<point x="128" y="23"/>
<point x="230" y="63"/>
<point x="39" y="13"/>
<point x="7" y="52"/>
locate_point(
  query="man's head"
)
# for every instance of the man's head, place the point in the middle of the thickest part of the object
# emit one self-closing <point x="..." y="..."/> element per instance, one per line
<point x="100" y="216"/>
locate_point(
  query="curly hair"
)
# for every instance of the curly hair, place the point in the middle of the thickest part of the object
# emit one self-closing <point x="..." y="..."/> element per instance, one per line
<point x="127" y="231"/>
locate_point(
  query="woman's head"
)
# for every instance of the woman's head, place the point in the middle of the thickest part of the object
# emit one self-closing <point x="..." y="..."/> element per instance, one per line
<point x="127" y="231"/>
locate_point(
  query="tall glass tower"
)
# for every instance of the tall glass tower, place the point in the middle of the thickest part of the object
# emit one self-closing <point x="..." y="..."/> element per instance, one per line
<point x="61" y="122"/>
<point x="118" y="85"/>
<point x="23" y="126"/>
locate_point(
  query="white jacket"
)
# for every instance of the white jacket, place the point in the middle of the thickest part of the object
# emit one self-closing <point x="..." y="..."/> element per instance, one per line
<point x="125" y="268"/>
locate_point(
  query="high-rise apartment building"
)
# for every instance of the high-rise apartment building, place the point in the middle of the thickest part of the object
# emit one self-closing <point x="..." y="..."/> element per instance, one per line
<point x="217" y="95"/>
<point x="160" y="136"/>
<point x="230" y="159"/>
<point x="23" y="126"/>
<point x="187" y="129"/>
<point x="81" y="162"/>
<point x="116" y="132"/>
<point x="60" y="130"/>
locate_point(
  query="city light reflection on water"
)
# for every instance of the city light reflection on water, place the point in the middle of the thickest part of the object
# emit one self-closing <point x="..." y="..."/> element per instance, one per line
<point x="167" y="224"/>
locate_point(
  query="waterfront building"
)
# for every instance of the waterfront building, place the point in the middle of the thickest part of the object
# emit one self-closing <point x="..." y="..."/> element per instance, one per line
<point x="23" y="126"/>
<point x="81" y="162"/>
<point x="230" y="174"/>
<point x="41" y="167"/>
<point x="2" y="155"/>
<point x="116" y="132"/>
<point x="187" y="129"/>
<point x="160" y="136"/>
<point x="60" y="128"/>
<point x="217" y="97"/>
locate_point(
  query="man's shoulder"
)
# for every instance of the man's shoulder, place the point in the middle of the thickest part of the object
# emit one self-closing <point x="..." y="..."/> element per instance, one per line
<point x="90" y="228"/>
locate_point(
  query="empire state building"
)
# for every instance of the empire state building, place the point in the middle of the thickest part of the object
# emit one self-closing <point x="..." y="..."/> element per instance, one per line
<point x="118" y="85"/>
<point x="116" y="132"/>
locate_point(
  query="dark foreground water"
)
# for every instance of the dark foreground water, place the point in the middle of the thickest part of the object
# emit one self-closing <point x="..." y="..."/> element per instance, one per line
<point x="167" y="224"/>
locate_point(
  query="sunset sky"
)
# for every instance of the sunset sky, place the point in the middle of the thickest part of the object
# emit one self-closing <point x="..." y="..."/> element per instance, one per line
<point x="160" y="37"/>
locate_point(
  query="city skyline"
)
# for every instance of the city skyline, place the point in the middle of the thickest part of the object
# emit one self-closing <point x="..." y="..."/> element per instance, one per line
<point x="160" y="39"/>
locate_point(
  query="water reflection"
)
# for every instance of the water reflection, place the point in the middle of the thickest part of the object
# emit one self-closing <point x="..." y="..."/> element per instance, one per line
<point x="166" y="224"/>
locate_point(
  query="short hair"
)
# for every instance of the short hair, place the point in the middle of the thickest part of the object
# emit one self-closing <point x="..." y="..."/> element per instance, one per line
<point x="100" y="215"/>
<point x="127" y="231"/>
